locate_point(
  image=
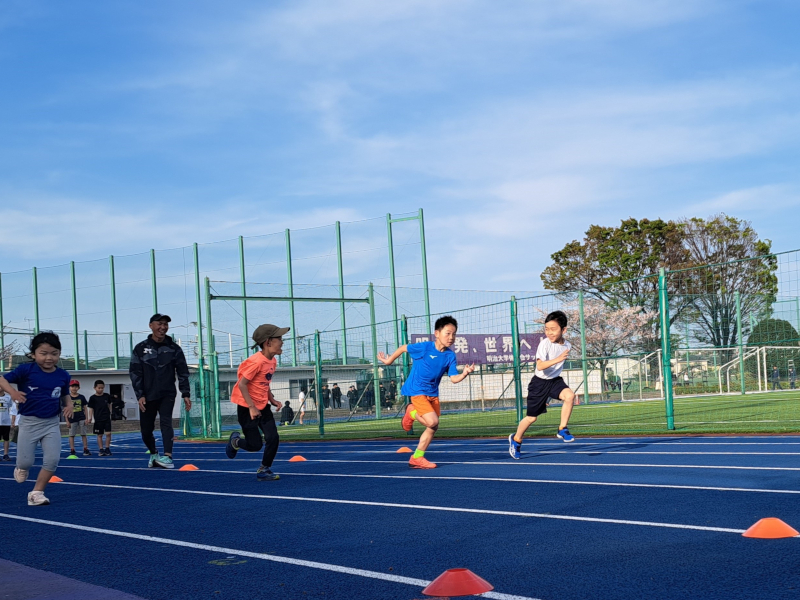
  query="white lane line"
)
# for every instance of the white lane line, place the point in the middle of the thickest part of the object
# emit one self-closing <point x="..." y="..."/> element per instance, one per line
<point x="493" y="479"/>
<point x="495" y="449"/>
<point x="516" y="464"/>
<point x="421" y="583"/>
<point x="477" y="511"/>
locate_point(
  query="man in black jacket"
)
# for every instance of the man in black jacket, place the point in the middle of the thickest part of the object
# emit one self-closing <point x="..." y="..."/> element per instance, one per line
<point x="154" y="364"/>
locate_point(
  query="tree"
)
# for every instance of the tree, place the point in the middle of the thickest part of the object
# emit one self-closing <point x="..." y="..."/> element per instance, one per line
<point x="777" y="332"/>
<point x="620" y="265"/>
<point x="730" y="258"/>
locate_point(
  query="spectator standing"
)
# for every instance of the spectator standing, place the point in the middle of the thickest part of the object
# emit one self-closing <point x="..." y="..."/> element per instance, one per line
<point x="336" y="396"/>
<point x="287" y="414"/>
<point x="776" y="379"/>
<point x="352" y="397"/>
<point x="155" y="363"/>
<point x="326" y="396"/>
<point x="792" y="378"/>
<point x="77" y="422"/>
<point x="100" y="413"/>
<point x="301" y="397"/>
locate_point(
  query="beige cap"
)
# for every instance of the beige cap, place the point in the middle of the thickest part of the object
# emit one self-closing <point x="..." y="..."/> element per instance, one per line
<point x="267" y="331"/>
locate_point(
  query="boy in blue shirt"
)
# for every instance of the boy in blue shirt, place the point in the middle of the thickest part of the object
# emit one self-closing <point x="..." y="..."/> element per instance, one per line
<point x="41" y="386"/>
<point x="547" y="383"/>
<point x="431" y="361"/>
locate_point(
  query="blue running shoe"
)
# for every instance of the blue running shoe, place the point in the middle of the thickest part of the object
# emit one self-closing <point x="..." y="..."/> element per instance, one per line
<point x="266" y="474"/>
<point x="231" y="449"/>
<point x="514" y="447"/>
<point x="564" y="434"/>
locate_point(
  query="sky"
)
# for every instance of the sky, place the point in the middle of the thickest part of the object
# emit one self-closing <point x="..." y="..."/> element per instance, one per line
<point x="514" y="124"/>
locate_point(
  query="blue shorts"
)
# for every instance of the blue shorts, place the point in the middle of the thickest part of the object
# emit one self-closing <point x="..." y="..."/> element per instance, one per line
<point x="540" y="391"/>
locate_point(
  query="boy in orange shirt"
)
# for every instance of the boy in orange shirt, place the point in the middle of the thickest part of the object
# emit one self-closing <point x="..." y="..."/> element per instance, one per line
<point x="252" y="395"/>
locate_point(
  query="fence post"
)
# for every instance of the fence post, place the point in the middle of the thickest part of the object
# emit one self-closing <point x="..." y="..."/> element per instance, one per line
<point x="153" y="284"/>
<point x="114" y="310"/>
<point x="318" y="383"/>
<point x="86" y="349"/>
<point x="216" y="413"/>
<point x="740" y="340"/>
<point x="243" y="288"/>
<point x="35" y="302"/>
<point x="200" y="359"/>
<point x="340" y="269"/>
<point x="375" y="374"/>
<point x="291" y="295"/>
<point x="515" y="350"/>
<point x="392" y="277"/>
<point x="583" y="348"/>
<point x="425" y="271"/>
<point x="666" y="351"/>
<point x="75" y="333"/>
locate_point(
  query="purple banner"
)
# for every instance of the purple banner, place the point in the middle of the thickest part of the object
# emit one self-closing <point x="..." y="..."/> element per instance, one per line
<point x="489" y="349"/>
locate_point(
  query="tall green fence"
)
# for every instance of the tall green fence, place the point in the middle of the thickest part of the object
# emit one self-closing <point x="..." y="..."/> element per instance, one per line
<point x="709" y="349"/>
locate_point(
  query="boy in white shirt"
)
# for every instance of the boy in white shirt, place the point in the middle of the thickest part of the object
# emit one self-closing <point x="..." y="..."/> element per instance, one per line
<point x="547" y="383"/>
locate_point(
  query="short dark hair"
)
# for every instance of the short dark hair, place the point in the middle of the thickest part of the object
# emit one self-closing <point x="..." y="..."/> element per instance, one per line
<point x="442" y="322"/>
<point x="99" y="382"/>
<point x="558" y="316"/>
<point x="45" y="337"/>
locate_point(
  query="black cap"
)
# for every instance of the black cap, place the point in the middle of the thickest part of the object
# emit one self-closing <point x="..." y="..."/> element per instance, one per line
<point x="160" y="317"/>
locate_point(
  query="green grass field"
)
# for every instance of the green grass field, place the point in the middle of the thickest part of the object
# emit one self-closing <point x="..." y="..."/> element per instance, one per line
<point x="777" y="412"/>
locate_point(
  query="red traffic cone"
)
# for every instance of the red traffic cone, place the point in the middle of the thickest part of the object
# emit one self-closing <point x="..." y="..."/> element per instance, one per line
<point x="55" y="479"/>
<point x="297" y="458"/>
<point x="771" y="529"/>
<point x="188" y="468"/>
<point x="457" y="582"/>
<point x="404" y="450"/>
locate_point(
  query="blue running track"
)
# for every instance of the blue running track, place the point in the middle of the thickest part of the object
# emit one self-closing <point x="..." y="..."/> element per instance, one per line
<point x="602" y="518"/>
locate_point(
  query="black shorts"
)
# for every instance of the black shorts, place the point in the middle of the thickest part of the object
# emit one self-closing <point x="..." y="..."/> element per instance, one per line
<point x="101" y="427"/>
<point x="540" y="391"/>
<point x="5" y="432"/>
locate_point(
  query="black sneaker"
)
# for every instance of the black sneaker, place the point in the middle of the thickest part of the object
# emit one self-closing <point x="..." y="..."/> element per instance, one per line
<point x="6" y="458"/>
<point x="266" y="474"/>
<point x="101" y="452"/>
<point x="108" y="451"/>
<point x="232" y="447"/>
<point x="86" y="452"/>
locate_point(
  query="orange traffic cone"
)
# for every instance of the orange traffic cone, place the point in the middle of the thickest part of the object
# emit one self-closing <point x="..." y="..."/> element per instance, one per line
<point x="55" y="479"/>
<point x="404" y="450"/>
<point x="297" y="458"/>
<point x="457" y="582"/>
<point x="771" y="529"/>
<point x="188" y="468"/>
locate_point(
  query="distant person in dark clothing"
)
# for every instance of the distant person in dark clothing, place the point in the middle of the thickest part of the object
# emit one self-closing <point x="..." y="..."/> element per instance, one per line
<point x="391" y="393"/>
<point x="155" y="362"/>
<point x="287" y="414"/>
<point x="117" y="408"/>
<point x="336" y="396"/>
<point x="792" y="378"/>
<point x="100" y="413"/>
<point x="776" y="379"/>
<point x="326" y="396"/>
<point x="352" y="397"/>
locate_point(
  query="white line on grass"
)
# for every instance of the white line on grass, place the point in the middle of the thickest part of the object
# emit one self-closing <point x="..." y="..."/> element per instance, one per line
<point x="258" y="555"/>
<point x="477" y="511"/>
<point x="493" y="479"/>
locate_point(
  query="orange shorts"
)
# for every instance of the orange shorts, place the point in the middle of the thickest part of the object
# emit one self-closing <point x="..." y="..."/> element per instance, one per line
<point x="426" y="404"/>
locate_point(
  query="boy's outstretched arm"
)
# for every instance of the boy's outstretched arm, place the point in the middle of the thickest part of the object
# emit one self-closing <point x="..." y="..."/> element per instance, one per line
<point x="387" y="360"/>
<point x="463" y="375"/>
